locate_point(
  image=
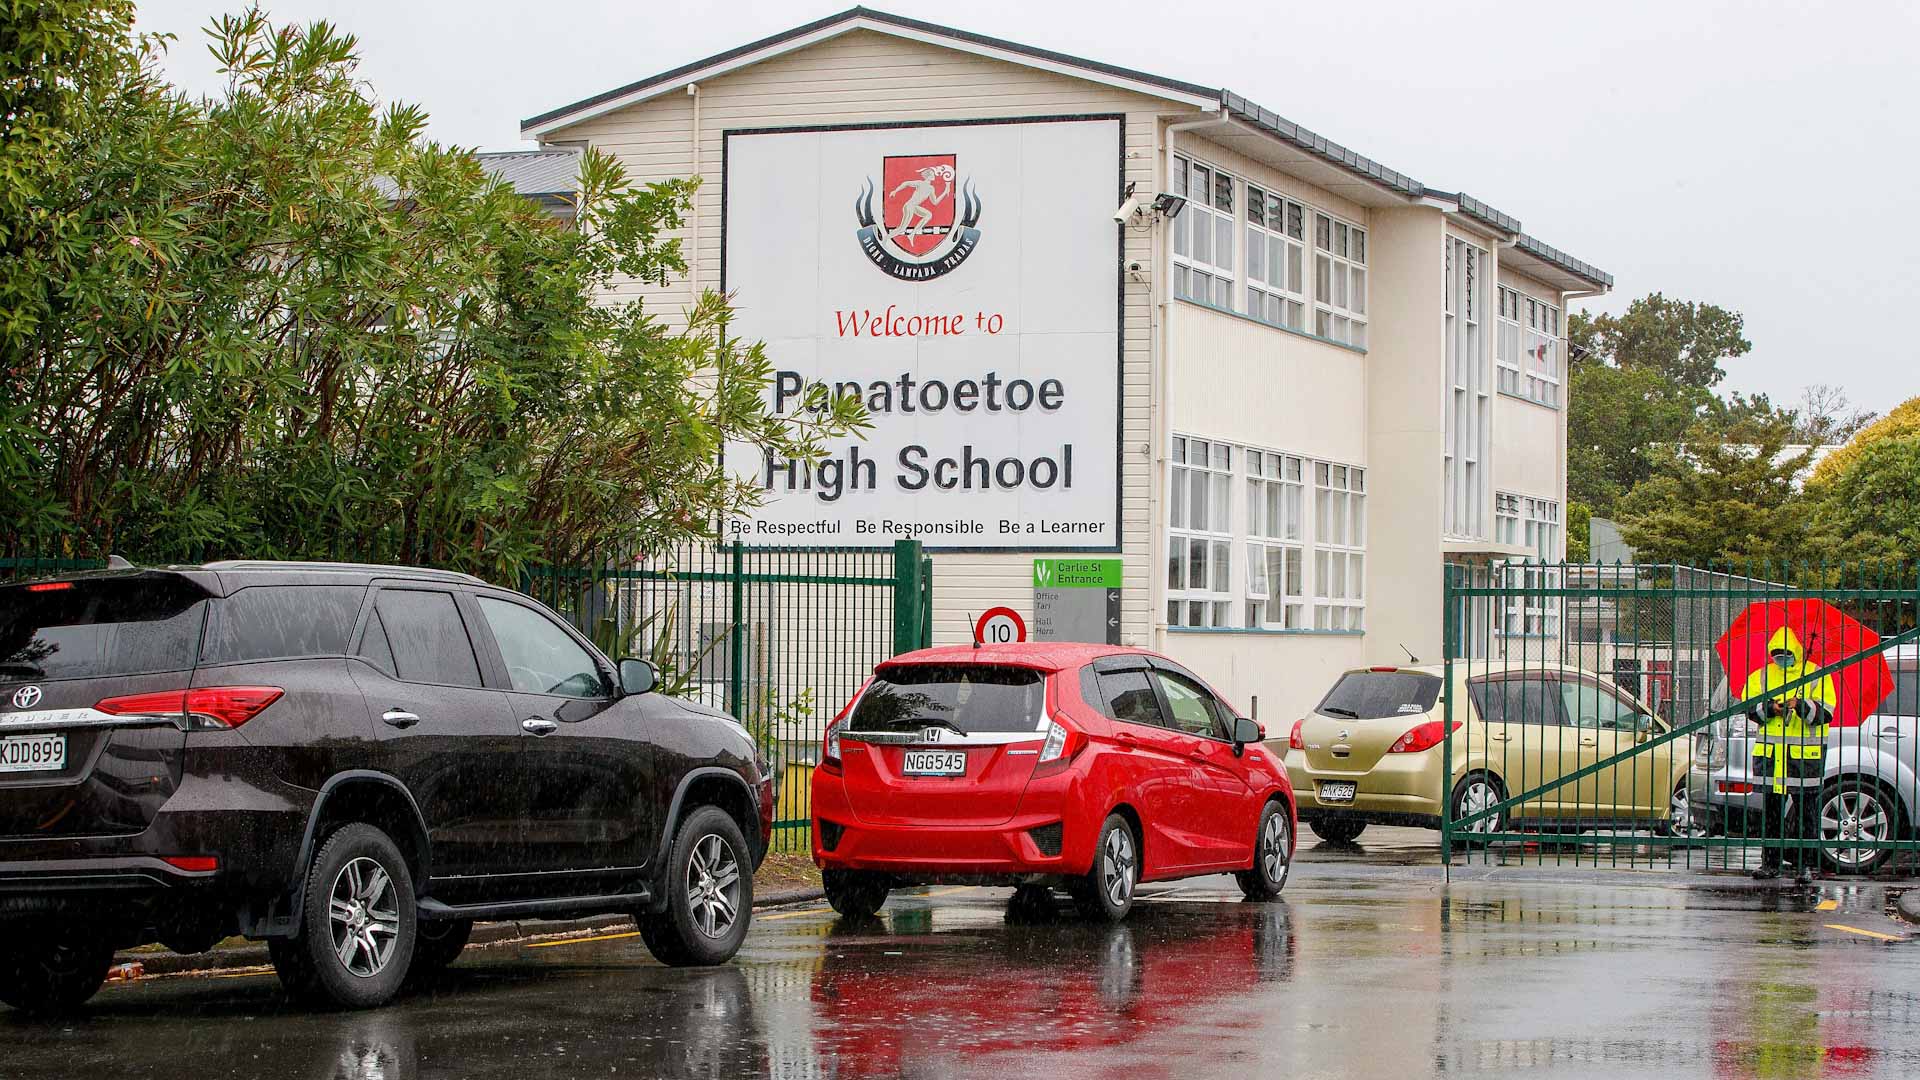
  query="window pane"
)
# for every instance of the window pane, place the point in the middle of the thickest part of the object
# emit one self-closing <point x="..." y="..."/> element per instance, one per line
<point x="540" y="657"/>
<point x="1223" y="192"/>
<point x="1220" y="295"/>
<point x="1277" y="267"/>
<point x="1176" y="578"/>
<point x="1223" y="241"/>
<point x="1322" y="277"/>
<point x="1359" y="246"/>
<point x="1200" y="514"/>
<point x="1220" y="497"/>
<point x="1256" y="571"/>
<point x="1256" y="206"/>
<point x="1181" y="226"/>
<point x="429" y="641"/>
<point x="1322" y="232"/>
<point x="1196" y="563"/>
<point x="1256" y="255"/>
<point x="1202" y="236"/>
<point x="1339" y="239"/>
<point x="1359" y="291"/>
<point x="1222" y="565"/>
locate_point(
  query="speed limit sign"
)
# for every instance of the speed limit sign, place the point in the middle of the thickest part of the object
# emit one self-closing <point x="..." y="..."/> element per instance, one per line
<point x="999" y="626"/>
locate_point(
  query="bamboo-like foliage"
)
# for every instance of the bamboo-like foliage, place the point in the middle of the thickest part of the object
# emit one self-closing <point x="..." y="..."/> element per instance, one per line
<point x="282" y="323"/>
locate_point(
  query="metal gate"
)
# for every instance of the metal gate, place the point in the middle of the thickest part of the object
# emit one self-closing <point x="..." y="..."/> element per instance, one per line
<point x="1595" y="719"/>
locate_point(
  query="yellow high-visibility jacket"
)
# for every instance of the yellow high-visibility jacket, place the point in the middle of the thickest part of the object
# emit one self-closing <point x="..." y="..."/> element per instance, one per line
<point x="1792" y="747"/>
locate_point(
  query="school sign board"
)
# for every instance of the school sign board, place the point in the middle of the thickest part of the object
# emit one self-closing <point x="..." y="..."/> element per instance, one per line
<point x="963" y="280"/>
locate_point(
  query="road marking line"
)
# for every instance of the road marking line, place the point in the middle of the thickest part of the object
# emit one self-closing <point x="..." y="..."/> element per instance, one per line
<point x="1827" y="905"/>
<point x="1865" y="933"/>
<point x="583" y="940"/>
<point x="791" y="914"/>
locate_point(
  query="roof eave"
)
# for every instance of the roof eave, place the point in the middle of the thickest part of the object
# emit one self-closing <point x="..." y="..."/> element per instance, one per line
<point x="851" y="20"/>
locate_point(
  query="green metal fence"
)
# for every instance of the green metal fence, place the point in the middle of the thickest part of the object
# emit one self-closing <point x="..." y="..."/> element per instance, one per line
<point x="1600" y="715"/>
<point x="778" y="637"/>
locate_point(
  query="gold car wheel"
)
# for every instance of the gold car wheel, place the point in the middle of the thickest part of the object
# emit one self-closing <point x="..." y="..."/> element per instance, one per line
<point x="1478" y="794"/>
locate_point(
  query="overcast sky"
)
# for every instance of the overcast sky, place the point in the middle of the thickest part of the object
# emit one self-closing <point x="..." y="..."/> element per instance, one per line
<point x="1758" y="155"/>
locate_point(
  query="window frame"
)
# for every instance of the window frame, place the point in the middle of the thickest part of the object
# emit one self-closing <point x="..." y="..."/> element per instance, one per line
<point x="481" y="665"/>
<point x="1203" y="204"/>
<point x="1262" y="540"/>
<point x="1529" y="345"/>
<point x="1294" y="263"/>
<point x="1159" y="675"/>
<point x="1346" y="263"/>
<point x="1348" y="607"/>
<point x="1183" y="534"/>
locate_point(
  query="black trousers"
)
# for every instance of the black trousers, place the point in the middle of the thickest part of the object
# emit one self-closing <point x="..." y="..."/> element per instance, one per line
<point x="1794" y="815"/>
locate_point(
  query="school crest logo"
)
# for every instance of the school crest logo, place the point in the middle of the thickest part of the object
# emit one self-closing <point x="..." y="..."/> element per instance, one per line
<point x="926" y="227"/>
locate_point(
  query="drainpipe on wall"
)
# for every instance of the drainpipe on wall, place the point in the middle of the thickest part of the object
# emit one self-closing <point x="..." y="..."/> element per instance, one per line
<point x="693" y="225"/>
<point x="1160" y="407"/>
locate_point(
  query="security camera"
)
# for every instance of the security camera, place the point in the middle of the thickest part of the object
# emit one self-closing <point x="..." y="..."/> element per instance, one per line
<point x="1127" y="210"/>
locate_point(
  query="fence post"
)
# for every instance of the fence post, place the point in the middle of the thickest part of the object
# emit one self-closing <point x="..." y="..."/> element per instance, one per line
<point x="908" y="631"/>
<point x="737" y="635"/>
<point x="1447" y="631"/>
<point x="926" y="600"/>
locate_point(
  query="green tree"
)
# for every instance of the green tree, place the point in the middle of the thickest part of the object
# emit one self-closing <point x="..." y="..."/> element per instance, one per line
<point x="1722" y="495"/>
<point x="1869" y="511"/>
<point x="1682" y="340"/>
<point x="281" y="322"/>
<point x="1617" y="419"/>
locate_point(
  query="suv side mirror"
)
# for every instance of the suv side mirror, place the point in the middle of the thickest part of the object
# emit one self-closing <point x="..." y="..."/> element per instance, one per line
<point x="1245" y="731"/>
<point x="638" y="676"/>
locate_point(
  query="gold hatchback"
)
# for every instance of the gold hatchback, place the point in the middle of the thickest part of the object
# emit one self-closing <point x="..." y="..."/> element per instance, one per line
<point x="1371" y="751"/>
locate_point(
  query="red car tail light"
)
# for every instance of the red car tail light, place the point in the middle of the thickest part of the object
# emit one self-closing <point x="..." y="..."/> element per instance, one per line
<point x="1293" y="739"/>
<point x="209" y="708"/>
<point x="50" y="586"/>
<point x="1423" y="737"/>
<point x="1062" y="745"/>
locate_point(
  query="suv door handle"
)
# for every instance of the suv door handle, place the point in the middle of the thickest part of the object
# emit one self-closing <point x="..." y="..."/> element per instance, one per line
<point x="400" y="718"/>
<point x="533" y="725"/>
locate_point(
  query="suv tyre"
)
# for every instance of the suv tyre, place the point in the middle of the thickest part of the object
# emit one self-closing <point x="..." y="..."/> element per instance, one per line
<point x="358" y="924"/>
<point x="46" y="972"/>
<point x="709" y="887"/>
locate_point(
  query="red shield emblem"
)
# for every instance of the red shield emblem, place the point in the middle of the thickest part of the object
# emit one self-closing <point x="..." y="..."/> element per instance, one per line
<point x="918" y="212"/>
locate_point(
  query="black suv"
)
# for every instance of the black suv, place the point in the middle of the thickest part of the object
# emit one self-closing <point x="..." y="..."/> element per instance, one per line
<point x="353" y="763"/>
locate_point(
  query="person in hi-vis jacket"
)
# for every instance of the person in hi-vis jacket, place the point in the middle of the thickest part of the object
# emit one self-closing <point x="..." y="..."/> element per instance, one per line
<point x="1790" y="752"/>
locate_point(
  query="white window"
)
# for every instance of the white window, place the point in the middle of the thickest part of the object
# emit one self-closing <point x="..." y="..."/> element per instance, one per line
<point x="1200" y="534"/>
<point x="1463" y="470"/>
<point x="1523" y="520"/>
<point x="1339" y="281"/>
<point x="1529" y="349"/>
<point x="1339" y="546"/>
<point x="1203" y="234"/>
<point x="1276" y="256"/>
<point x="1275" y="574"/>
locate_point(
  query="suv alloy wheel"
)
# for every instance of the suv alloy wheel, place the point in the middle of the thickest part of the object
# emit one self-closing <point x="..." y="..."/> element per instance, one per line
<point x="357" y="928"/>
<point x="709" y="886"/>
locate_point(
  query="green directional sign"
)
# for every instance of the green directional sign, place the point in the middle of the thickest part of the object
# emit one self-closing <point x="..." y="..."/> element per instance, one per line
<point x="1076" y="573"/>
<point x="1076" y="600"/>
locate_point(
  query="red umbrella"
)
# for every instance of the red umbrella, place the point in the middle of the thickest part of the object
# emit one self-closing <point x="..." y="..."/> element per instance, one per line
<point x="1828" y="635"/>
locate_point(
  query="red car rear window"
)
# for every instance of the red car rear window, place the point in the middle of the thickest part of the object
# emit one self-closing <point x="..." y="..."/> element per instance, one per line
<point x="962" y="697"/>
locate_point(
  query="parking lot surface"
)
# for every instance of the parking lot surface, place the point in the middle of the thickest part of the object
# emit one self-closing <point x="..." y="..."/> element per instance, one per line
<point x="1369" y="968"/>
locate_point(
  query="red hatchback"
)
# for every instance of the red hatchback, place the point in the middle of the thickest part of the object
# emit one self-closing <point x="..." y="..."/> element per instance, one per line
<point x="1041" y="765"/>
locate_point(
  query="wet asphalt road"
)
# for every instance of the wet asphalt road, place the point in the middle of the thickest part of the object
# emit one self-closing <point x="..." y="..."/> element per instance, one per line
<point x="1369" y="968"/>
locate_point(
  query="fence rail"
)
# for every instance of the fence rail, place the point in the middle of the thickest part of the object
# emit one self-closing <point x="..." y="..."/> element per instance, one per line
<point x="779" y="637"/>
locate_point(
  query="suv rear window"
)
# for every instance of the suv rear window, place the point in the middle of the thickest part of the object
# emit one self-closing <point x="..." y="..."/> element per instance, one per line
<point x="1376" y="695"/>
<point x="964" y="697"/>
<point x="100" y="628"/>
<point x="282" y="620"/>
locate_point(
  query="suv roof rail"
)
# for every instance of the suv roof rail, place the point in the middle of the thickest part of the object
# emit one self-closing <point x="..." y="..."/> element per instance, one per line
<point x="370" y="568"/>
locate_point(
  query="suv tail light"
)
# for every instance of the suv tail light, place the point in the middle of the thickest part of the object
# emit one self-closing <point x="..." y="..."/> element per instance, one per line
<point x="1293" y="739"/>
<point x="1423" y="737"/>
<point x="207" y="708"/>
